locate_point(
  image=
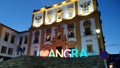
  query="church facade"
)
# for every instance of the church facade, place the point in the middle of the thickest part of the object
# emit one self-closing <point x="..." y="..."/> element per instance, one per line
<point x="67" y="25"/>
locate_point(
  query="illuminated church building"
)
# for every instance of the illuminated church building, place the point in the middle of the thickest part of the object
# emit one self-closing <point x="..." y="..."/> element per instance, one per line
<point x="67" y="25"/>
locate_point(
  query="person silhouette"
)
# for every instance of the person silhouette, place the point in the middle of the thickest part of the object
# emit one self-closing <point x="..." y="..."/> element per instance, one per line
<point x="23" y="50"/>
<point x="18" y="49"/>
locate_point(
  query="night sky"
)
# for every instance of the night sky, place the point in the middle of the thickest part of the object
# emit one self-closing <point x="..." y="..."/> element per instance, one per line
<point x="17" y="14"/>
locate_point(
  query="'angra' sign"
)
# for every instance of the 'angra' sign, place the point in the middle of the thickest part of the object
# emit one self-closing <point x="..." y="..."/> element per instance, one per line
<point x="65" y="53"/>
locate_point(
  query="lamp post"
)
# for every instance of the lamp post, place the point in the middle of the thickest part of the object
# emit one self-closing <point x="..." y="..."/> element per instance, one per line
<point x="99" y="43"/>
<point x="98" y="36"/>
<point x="111" y="65"/>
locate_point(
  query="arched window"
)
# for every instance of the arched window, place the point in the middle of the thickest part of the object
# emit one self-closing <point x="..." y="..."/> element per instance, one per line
<point x="59" y="35"/>
<point x="70" y="34"/>
<point x="48" y="38"/>
<point x="36" y="36"/>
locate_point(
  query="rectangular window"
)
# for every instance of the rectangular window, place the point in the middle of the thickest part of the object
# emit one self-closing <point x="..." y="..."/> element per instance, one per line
<point x="10" y="51"/>
<point x="6" y="36"/>
<point x="4" y="49"/>
<point x="90" y="48"/>
<point x="87" y="31"/>
<point x="20" y="40"/>
<point x="26" y="40"/>
<point x="59" y="48"/>
<point x="48" y="30"/>
<point x="36" y="40"/>
<point x="12" y="38"/>
<point x="70" y="26"/>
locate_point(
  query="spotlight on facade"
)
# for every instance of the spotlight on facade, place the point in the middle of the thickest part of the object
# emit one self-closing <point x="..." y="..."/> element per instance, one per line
<point x="97" y="31"/>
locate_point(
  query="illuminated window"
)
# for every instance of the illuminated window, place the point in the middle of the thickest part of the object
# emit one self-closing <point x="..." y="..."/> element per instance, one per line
<point x="36" y="36"/>
<point x="90" y="48"/>
<point x="26" y="40"/>
<point x="10" y="51"/>
<point x="12" y="38"/>
<point x="6" y="36"/>
<point x="20" y="40"/>
<point x="3" y="49"/>
<point x="48" y="38"/>
<point x="71" y="34"/>
<point x="59" y="35"/>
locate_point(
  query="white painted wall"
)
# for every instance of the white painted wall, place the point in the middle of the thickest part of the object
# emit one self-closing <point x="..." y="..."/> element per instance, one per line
<point x="92" y="37"/>
<point x="80" y="10"/>
<point x="35" y="46"/>
<point x="8" y="44"/>
<point x="24" y="45"/>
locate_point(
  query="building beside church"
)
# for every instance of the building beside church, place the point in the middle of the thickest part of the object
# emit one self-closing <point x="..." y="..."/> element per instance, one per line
<point x="67" y="25"/>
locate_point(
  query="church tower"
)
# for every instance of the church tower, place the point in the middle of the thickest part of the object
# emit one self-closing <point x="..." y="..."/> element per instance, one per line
<point x="67" y="25"/>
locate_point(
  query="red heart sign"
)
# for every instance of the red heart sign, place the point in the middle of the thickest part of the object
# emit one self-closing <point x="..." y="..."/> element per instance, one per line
<point x="44" y="53"/>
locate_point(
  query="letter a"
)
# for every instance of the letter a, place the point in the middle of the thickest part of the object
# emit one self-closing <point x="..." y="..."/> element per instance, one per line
<point x="51" y="54"/>
<point x="83" y="53"/>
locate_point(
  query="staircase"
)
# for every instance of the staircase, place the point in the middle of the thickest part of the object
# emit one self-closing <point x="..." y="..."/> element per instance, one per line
<point x="38" y="62"/>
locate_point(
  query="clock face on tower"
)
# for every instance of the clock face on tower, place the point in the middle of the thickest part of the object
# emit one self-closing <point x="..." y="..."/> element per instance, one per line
<point x="38" y="20"/>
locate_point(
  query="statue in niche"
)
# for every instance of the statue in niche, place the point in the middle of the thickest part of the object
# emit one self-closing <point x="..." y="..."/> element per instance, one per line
<point x="49" y="16"/>
<point x="70" y="10"/>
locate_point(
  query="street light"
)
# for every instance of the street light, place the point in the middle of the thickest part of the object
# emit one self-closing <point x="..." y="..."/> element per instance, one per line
<point x="111" y="65"/>
<point x="98" y="32"/>
<point x="98" y="36"/>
